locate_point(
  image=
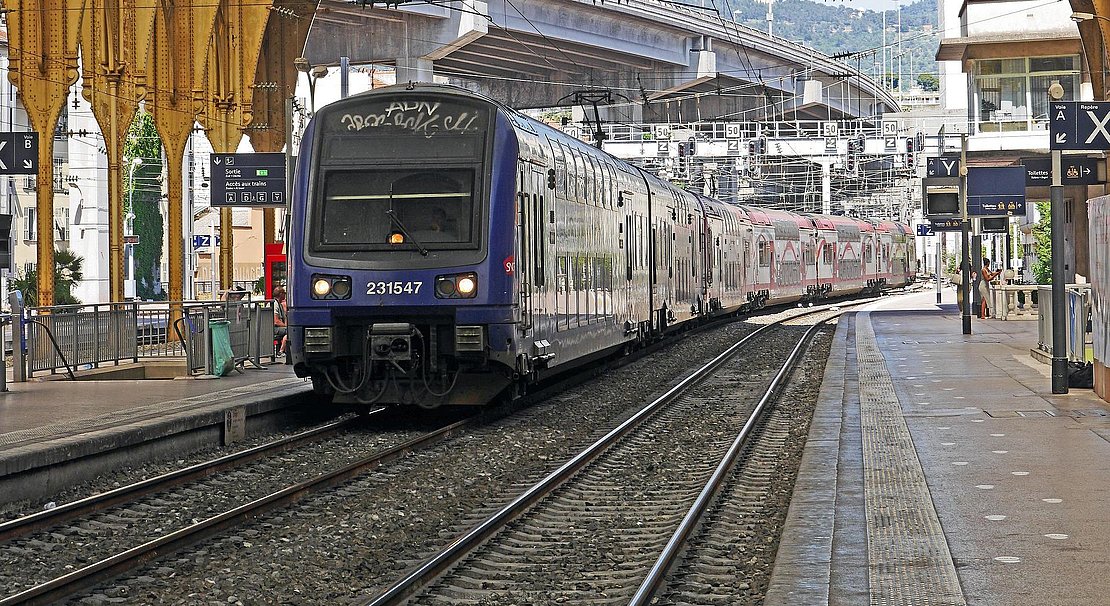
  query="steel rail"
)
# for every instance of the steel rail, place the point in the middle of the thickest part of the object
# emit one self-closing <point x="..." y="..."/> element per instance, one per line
<point x="669" y="556"/>
<point x="41" y="520"/>
<point x="430" y="568"/>
<point x="69" y="584"/>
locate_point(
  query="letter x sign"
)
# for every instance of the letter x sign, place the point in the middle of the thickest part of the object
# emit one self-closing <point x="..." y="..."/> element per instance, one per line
<point x="1079" y="125"/>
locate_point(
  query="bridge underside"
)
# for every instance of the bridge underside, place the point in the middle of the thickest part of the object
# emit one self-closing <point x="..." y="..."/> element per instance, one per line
<point x="656" y="71"/>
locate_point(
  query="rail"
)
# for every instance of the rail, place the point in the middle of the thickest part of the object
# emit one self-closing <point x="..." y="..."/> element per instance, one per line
<point x="91" y="336"/>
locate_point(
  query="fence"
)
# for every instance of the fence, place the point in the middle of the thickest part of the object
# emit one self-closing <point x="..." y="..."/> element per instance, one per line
<point x="1079" y="340"/>
<point x="1014" y="301"/>
<point x="75" y="336"/>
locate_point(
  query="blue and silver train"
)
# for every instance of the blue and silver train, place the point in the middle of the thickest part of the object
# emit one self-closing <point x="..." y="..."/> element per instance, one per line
<point x="445" y="249"/>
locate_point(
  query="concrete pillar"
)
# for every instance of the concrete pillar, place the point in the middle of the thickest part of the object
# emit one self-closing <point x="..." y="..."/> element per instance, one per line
<point x="413" y="69"/>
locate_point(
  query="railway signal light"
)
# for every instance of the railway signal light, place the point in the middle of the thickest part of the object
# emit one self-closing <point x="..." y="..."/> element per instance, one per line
<point x="909" y="151"/>
<point x="681" y="149"/>
<point x="690" y="146"/>
<point x="551" y="178"/>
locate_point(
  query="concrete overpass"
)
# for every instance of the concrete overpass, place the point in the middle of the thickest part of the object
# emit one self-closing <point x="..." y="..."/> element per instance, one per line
<point x="666" y="62"/>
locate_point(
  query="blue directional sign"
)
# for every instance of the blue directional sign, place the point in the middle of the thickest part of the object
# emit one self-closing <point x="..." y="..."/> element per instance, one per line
<point x="248" y="179"/>
<point x="924" y="229"/>
<point x="1073" y="171"/>
<point x="19" y="153"/>
<point x="1079" y="125"/>
<point x="204" y="240"/>
<point x="995" y="191"/>
<point x="944" y="166"/>
<point x="945" y="224"/>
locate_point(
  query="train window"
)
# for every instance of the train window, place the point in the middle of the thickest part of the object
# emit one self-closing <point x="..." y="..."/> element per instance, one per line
<point x="764" y="253"/>
<point x="364" y="207"/>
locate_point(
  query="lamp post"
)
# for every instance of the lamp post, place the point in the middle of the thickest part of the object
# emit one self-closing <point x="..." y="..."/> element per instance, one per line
<point x="314" y="73"/>
<point x="1059" y="330"/>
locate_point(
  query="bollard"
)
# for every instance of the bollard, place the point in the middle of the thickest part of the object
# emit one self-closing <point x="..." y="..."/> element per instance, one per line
<point x="19" y="339"/>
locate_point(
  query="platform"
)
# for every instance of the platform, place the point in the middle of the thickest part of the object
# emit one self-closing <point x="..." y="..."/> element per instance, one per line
<point x="940" y="469"/>
<point x="55" y="431"/>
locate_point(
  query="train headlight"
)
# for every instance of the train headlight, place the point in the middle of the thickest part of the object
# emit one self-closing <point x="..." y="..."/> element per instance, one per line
<point x="396" y="238"/>
<point x="331" y="287"/>
<point x="467" y="285"/>
<point x="457" y="286"/>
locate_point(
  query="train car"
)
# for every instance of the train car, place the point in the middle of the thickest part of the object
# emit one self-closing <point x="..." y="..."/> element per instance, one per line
<point x="445" y="249"/>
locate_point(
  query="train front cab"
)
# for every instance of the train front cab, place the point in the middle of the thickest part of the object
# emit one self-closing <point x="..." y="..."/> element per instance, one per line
<point x="400" y="272"/>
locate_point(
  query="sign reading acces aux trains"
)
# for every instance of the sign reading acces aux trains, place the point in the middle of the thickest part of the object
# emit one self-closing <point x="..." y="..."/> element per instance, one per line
<point x="248" y="179"/>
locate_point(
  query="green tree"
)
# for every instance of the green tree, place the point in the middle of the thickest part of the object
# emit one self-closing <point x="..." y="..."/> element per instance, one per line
<point x="1042" y="244"/>
<point x="928" y="82"/>
<point x="143" y="142"/>
<point x="67" y="273"/>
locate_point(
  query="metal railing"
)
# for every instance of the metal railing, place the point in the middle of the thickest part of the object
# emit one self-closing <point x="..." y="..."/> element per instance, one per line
<point x="91" y="336"/>
<point x="1080" y="341"/>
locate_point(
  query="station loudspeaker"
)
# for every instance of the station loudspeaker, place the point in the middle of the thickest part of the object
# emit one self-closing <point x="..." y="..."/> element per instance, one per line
<point x="5" y="241"/>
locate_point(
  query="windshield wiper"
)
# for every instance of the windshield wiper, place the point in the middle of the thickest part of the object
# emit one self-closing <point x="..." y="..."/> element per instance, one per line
<point x="408" y="238"/>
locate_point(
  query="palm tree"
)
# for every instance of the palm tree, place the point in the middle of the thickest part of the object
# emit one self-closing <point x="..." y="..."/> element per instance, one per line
<point x="67" y="273"/>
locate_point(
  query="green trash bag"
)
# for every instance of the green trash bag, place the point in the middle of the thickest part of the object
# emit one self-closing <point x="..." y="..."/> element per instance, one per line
<point x="223" y="358"/>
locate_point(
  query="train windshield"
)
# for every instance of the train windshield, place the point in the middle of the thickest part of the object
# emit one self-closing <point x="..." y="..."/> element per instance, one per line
<point x="369" y="208"/>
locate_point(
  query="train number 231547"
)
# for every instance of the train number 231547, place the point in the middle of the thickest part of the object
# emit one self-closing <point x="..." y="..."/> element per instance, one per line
<point x="393" y="288"/>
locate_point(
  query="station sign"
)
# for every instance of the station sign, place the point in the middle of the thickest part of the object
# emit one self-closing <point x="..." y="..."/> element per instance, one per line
<point x="1079" y="125"/>
<point x="204" y="240"/>
<point x="131" y="238"/>
<point x="19" y="153"/>
<point x="248" y="180"/>
<point x="924" y="229"/>
<point x="945" y="224"/>
<point x="943" y="166"/>
<point x="941" y="197"/>
<point x="995" y="191"/>
<point x="1073" y="171"/>
<point x="994" y="225"/>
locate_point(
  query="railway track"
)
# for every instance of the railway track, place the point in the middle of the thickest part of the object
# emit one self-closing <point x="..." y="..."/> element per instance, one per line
<point x="54" y="554"/>
<point x="592" y="530"/>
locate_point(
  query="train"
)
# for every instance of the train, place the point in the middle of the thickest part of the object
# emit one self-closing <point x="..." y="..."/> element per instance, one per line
<point x="445" y="249"/>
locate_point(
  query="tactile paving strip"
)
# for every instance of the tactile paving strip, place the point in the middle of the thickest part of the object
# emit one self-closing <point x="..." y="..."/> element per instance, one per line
<point x="909" y="558"/>
<point x="139" y="413"/>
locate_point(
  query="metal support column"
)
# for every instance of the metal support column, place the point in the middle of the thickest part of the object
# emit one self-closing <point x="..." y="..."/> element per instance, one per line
<point x="965" y="244"/>
<point x="1059" y="336"/>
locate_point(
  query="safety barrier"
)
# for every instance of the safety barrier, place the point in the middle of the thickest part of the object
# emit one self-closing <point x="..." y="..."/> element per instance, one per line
<point x="1079" y="340"/>
<point x="90" y="336"/>
<point x="250" y="329"/>
<point x="1014" y="301"/>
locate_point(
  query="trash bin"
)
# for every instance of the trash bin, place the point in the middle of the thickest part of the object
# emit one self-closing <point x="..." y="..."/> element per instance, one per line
<point x="223" y="358"/>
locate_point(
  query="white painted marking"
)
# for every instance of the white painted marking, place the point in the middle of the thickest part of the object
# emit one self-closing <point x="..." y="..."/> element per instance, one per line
<point x="1000" y="451"/>
<point x="1020" y="473"/>
<point x="961" y="463"/>
<point x="928" y="372"/>
<point x="923" y="403"/>
<point x="1053" y="500"/>
<point x="978" y="420"/>
<point x="918" y="394"/>
<point x="958" y="398"/>
<point x="944" y="427"/>
<point x="949" y="388"/>
<point x="936" y="380"/>
<point x="995" y="517"/>
<point x="1057" y="535"/>
<point x="985" y="486"/>
<point x="1008" y="559"/>
<point x="947" y="443"/>
<point x="997" y="435"/>
<point x="918" y="385"/>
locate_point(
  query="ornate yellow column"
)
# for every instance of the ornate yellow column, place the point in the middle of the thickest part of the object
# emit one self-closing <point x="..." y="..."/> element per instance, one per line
<point x="42" y="50"/>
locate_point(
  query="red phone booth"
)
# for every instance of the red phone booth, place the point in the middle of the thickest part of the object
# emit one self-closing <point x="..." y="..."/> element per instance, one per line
<point x="275" y="267"/>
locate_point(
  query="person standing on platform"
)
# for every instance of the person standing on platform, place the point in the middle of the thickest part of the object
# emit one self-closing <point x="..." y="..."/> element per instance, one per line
<point x="987" y="277"/>
<point x="281" y="319"/>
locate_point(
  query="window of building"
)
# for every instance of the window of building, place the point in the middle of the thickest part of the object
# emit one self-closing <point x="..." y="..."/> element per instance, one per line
<point x="30" y="225"/>
<point x="1011" y="94"/>
<point x="61" y="224"/>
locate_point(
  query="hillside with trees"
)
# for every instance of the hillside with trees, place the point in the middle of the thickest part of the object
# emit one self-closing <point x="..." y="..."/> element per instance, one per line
<point x="855" y="35"/>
